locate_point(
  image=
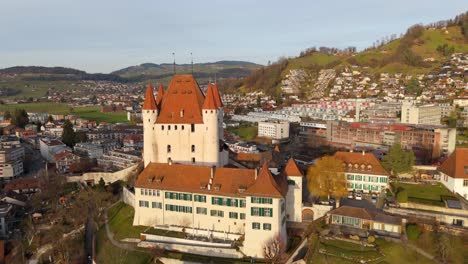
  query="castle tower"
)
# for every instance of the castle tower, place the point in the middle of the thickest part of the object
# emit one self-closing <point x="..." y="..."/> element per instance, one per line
<point x="219" y="105"/>
<point x="294" y="178"/>
<point x="149" y="113"/>
<point x="210" y="114"/>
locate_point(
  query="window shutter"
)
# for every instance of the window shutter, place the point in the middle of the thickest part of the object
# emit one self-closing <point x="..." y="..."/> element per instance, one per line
<point x="213" y="200"/>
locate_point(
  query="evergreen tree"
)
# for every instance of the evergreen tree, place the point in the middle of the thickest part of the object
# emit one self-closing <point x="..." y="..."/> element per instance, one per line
<point x="398" y="160"/>
<point x="20" y="118"/>
<point x="69" y="135"/>
<point x="50" y="119"/>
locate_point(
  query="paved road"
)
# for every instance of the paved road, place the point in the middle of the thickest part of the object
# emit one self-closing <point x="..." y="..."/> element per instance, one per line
<point x="89" y="234"/>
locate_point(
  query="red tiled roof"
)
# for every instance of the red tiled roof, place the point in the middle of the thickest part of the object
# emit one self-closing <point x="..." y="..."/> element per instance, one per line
<point x="292" y="169"/>
<point x="209" y="102"/>
<point x="194" y="178"/>
<point x="360" y="159"/>
<point x="150" y="103"/>
<point x="182" y="102"/>
<point x="266" y="185"/>
<point x="217" y="96"/>
<point x="160" y="94"/>
<point x="62" y="154"/>
<point x="456" y="166"/>
<point x="21" y="183"/>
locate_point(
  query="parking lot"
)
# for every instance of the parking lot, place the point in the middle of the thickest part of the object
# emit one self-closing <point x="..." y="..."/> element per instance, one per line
<point x="366" y="201"/>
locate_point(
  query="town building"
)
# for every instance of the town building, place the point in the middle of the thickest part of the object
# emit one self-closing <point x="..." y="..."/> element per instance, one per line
<point x="181" y="187"/>
<point x="354" y="220"/>
<point x="454" y="172"/>
<point x="6" y="218"/>
<point x="363" y="172"/>
<point x="420" y="114"/>
<point x="11" y="158"/>
<point x="64" y="161"/>
<point x="90" y="149"/>
<point x="25" y="186"/>
<point x="50" y="147"/>
<point x="428" y="142"/>
<point x="274" y="129"/>
<point x="119" y="159"/>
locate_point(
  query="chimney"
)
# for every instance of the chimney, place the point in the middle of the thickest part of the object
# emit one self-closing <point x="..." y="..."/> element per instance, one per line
<point x="363" y="152"/>
<point x="182" y="113"/>
<point x="256" y="173"/>
<point x="212" y="171"/>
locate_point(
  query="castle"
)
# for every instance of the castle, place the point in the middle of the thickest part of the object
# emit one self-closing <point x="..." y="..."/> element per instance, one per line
<point x="185" y="181"/>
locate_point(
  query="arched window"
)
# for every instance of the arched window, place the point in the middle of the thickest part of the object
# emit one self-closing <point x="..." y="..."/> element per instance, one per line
<point x="168" y="148"/>
<point x="193" y="148"/>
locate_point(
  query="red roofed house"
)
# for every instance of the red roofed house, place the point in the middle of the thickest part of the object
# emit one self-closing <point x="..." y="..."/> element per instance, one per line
<point x="185" y="185"/>
<point x="363" y="171"/>
<point x="65" y="159"/>
<point x="454" y="172"/>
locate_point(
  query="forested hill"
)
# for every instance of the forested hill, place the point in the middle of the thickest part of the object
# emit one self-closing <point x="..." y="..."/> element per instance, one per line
<point x="421" y="49"/>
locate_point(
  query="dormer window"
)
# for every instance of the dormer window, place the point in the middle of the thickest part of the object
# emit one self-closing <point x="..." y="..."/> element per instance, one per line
<point x="159" y="179"/>
<point x="369" y="167"/>
<point x="217" y="187"/>
<point x="242" y="189"/>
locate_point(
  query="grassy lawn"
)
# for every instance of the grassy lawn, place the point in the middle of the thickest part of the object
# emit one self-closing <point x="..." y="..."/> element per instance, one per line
<point x="92" y="113"/>
<point x="108" y="253"/>
<point x="390" y="253"/>
<point x="121" y="220"/>
<point x="247" y="132"/>
<point x="425" y="194"/>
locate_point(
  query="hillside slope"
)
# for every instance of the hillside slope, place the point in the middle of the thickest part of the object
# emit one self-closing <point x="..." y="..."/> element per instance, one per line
<point x="420" y="50"/>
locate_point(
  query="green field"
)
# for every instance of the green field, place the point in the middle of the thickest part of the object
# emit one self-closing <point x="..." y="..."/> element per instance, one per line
<point x="388" y="252"/>
<point x="426" y="194"/>
<point x="247" y="132"/>
<point x="121" y="222"/>
<point x="92" y="113"/>
<point x="106" y="252"/>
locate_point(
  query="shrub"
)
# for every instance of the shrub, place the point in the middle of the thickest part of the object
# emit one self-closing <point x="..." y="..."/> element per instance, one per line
<point x="402" y="196"/>
<point x="413" y="231"/>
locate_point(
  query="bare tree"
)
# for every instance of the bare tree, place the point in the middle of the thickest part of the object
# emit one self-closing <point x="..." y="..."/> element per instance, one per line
<point x="274" y="249"/>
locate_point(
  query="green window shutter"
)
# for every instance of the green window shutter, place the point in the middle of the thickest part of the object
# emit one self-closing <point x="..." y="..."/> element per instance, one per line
<point x="262" y="211"/>
<point x="252" y="211"/>
<point x="271" y="200"/>
<point x="251" y="199"/>
<point x="212" y="200"/>
<point x="237" y="202"/>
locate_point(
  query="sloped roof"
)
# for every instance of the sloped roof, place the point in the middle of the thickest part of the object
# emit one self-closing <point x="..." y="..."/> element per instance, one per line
<point x="292" y="169"/>
<point x="195" y="178"/>
<point x="150" y="103"/>
<point x="266" y="185"/>
<point x="361" y="159"/>
<point x="182" y="101"/>
<point x="217" y="96"/>
<point x="22" y="183"/>
<point x="209" y="102"/>
<point x="456" y="165"/>
<point x="160" y="94"/>
<point x="363" y="213"/>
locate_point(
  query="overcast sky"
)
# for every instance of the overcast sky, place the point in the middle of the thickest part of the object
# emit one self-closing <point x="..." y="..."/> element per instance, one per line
<point x="106" y="35"/>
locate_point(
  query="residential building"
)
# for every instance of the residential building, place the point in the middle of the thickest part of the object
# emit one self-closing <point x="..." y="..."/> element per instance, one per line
<point x="92" y="150"/>
<point x="354" y="220"/>
<point x="454" y="172"/>
<point x="202" y="194"/>
<point x="428" y="142"/>
<point x="119" y="159"/>
<point x="363" y="172"/>
<point x="11" y="158"/>
<point x="421" y="114"/>
<point x="6" y="217"/>
<point x="64" y="161"/>
<point x="274" y="129"/>
<point x="23" y="186"/>
<point x="50" y="147"/>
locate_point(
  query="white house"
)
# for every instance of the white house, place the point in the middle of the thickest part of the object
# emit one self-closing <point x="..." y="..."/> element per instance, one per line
<point x="454" y="172"/>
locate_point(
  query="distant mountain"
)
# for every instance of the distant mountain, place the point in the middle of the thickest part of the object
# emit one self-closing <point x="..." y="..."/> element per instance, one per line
<point x="161" y="72"/>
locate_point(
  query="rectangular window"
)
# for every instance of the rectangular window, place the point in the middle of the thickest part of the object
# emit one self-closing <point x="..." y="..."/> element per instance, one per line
<point x="266" y="226"/>
<point x="233" y="215"/>
<point x="192" y="127"/>
<point x="146" y="204"/>
<point x="255" y="211"/>
<point x="242" y="216"/>
<point x="242" y="203"/>
<point x="465" y="183"/>
<point x="201" y="210"/>
<point x="217" y="213"/>
<point x="156" y="205"/>
<point x="268" y="212"/>
<point x="256" y="226"/>
<point x="199" y="198"/>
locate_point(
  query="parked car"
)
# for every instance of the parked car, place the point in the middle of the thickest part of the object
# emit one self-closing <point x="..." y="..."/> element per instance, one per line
<point x="350" y="195"/>
<point x="374" y="198"/>
<point x="358" y="196"/>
